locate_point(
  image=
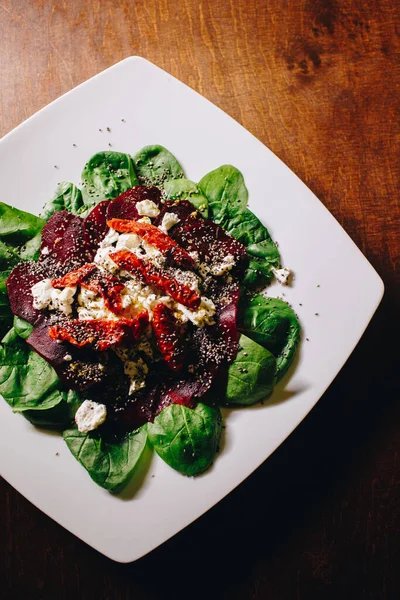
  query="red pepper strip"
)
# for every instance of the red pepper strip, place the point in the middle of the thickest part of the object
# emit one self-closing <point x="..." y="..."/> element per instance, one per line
<point x="89" y="276"/>
<point x="160" y="240"/>
<point x="101" y="334"/>
<point x="154" y="276"/>
<point x="169" y="334"/>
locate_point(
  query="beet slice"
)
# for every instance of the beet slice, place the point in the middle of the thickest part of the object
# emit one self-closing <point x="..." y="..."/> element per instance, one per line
<point x="170" y="336"/>
<point x="95" y="227"/>
<point x="208" y="240"/>
<point x="19" y="284"/>
<point x="100" y="334"/>
<point x="79" y="369"/>
<point x="175" y="255"/>
<point x="182" y="208"/>
<point x="91" y="278"/>
<point x="159" y="278"/>
<point x="124" y="207"/>
<point x="63" y="246"/>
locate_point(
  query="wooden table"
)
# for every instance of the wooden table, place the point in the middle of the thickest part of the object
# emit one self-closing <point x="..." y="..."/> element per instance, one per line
<point x="318" y="82"/>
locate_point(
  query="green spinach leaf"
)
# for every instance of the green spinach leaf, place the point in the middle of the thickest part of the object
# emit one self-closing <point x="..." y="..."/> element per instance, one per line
<point x="66" y="197"/>
<point x="22" y="327"/>
<point x="6" y="316"/>
<point x="60" y="415"/>
<point x="185" y="438"/>
<point x="184" y="189"/>
<point x="272" y="323"/>
<point x="109" y="464"/>
<point x="225" y="191"/>
<point x="17" y="227"/>
<point x="107" y="175"/>
<point x="251" y="376"/>
<point x="155" y="165"/>
<point x="261" y="250"/>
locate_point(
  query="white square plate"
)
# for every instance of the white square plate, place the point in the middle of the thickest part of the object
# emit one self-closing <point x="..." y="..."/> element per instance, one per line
<point x="332" y="278"/>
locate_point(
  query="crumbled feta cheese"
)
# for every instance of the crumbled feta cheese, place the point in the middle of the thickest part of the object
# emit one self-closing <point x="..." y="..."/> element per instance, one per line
<point x="147" y="208"/>
<point x="139" y="296"/>
<point x="144" y="220"/>
<point x="103" y="260"/>
<point x="110" y="239"/>
<point x="204" y="269"/>
<point x="67" y="357"/>
<point x="44" y="251"/>
<point x="200" y="317"/>
<point x="41" y="293"/>
<point x="136" y="371"/>
<point x="90" y="415"/>
<point x="195" y="256"/>
<point x="169" y="220"/>
<point x="128" y="241"/>
<point x="187" y="278"/>
<point x="45" y="296"/>
<point x="224" y="266"/>
<point x="92" y="306"/>
<point x="282" y="275"/>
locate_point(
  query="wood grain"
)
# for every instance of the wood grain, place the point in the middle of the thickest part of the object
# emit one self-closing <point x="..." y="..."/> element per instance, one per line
<point x="318" y="82"/>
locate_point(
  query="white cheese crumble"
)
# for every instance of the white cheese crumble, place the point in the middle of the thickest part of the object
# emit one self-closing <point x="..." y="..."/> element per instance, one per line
<point x="200" y="317"/>
<point x="110" y="239"/>
<point x="144" y="220"/>
<point x="140" y="296"/>
<point x="45" y="251"/>
<point x="282" y="275"/>
<point x="169" y="220"/>
<point x="224" y="266"/>
<point x="45" y="296"/>
<point x="136" y="371"/>
<point x="128" y="241"/>
<point x="103" y="260"/>
<point x="90" y="415"/>
<point x="147" y="208"/>
<point x="92" y="306"/>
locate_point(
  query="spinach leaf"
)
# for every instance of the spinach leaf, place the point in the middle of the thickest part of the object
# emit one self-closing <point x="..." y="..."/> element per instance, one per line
<point x="6" y="315"/>
<point x="22" y="327"/>
<point x="26" y="380"/>
<point x="184" y="189"/>
<point x="251" y="376"/>
<point x="60" y="415"/>
<point x="109" y="464"/>
<point x="17" y="227"/>
<point x="66" y="197"/>
<point x="272" y="323"/>
<point x="107" y="175"/>
<point x="261" y="250"/>
<point x="185" y="438"/>
<point x="225" y="191"/>
<point x="155" y="165"/>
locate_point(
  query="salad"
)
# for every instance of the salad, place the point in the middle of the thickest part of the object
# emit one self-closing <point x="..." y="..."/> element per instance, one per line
<point x="131" y="312"/>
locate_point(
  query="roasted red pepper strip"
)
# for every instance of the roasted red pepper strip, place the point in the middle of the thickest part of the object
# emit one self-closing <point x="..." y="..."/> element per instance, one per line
<point x="169" y="334"/>
<point x="100" y="334"/>
<point x="154" y="276"/>
<point x="89" y="276"/>
<point x="177" y="256"/>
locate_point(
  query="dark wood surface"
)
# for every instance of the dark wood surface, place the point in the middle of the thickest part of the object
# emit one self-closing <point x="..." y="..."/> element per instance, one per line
<point x="318" y="82"/>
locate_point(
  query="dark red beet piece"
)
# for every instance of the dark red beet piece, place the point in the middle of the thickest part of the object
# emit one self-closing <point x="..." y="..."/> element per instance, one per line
<point x="182" y="208"/>
<point x="19" y="283"/>
<point x="95" y="227"/>
<point x="209" y="240"/>
<point x="124" y="207"/>
<point x="79" y="369"/>
<point x="63" y="246"/>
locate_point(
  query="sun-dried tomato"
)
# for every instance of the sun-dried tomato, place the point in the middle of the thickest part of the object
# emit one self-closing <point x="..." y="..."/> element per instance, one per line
<point x="169" y="334"/>
<point x="176" y="256"/>
<point x="91" y="278"/>
<point x="100" y="334"/>
<point x="154" y="276"/>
